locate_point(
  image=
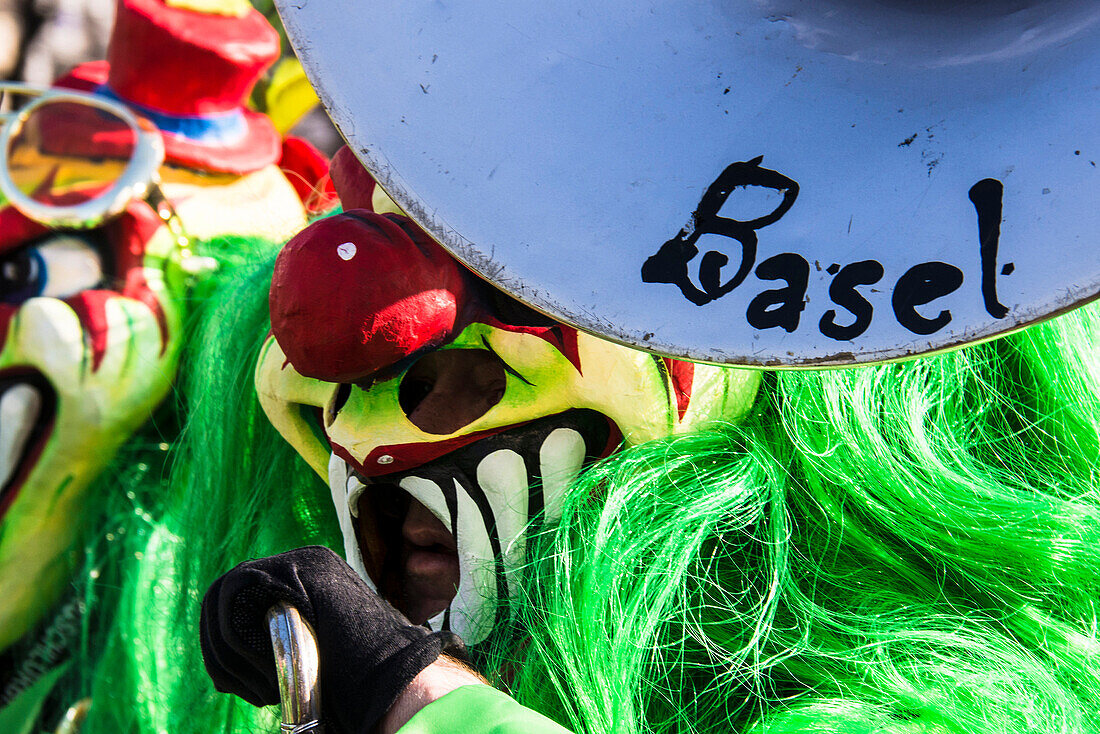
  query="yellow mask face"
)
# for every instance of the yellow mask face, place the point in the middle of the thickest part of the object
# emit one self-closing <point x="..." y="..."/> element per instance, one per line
<point x="483" y="425"/>
<point x="90" y="337"/>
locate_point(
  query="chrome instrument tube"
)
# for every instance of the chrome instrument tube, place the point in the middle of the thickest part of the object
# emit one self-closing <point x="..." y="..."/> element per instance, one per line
<point x="296" y="663"/>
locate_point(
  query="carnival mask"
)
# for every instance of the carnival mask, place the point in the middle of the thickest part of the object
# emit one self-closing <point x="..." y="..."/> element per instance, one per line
<point x="446" y="415"/>
<point x="93" y="280"/>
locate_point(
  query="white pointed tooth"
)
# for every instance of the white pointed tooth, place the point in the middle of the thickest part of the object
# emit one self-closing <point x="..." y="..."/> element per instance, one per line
<point x="560" y="461"/>
<point x="475" y="603"/>
<point x="429" y="494"/>
<point x="352" y="489"/>
<point x="339" y="479"/>
<point x="502" y="476"/>
<point x="19" y="408"/>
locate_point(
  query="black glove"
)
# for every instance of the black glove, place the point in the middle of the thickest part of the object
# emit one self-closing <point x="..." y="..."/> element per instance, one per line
<point x="369" y="652"/>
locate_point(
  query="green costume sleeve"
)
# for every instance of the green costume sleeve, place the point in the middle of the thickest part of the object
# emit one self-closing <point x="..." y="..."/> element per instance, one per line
<point x="478" y="709"/>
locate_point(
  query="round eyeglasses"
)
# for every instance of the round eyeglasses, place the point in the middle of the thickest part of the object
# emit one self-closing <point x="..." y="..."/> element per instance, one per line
<point x="74" y="160"/>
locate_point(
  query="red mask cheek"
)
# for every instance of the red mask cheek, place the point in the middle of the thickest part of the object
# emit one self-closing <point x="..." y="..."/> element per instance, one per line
<point x="356" y="293"/>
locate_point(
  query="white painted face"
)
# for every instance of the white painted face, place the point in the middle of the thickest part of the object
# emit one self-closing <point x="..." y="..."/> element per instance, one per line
<point x="439" y="460"/>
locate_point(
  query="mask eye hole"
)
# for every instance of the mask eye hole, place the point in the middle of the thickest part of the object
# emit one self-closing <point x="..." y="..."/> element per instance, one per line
<point x="339" y="399"/>
<point x="450" y="389"/>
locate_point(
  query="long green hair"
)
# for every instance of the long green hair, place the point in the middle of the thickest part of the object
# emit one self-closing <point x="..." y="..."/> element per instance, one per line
<point x="902" y="548"/>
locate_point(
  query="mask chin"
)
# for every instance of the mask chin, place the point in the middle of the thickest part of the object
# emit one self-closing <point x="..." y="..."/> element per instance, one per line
<point x="484" y="498"/>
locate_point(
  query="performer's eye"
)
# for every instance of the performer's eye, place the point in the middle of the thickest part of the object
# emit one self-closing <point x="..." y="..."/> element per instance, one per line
<point x="56" y="267"/>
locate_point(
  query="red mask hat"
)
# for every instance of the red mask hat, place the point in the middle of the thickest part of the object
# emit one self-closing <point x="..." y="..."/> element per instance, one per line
<point x="206" y="65"/>
<point x="345" y="332"/>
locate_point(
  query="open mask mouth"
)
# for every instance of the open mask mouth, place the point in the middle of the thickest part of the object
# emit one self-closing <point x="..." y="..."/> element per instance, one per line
<point x="28" y="406"/>
<point x="442" y="541"/>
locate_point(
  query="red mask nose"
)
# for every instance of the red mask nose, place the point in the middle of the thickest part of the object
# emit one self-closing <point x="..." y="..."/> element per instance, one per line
<point x="355" y="293"/>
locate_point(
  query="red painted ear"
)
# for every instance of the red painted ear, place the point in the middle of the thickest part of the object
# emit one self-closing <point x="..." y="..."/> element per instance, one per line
<point x="357" y="292"/>
<point x="354" y="185"/>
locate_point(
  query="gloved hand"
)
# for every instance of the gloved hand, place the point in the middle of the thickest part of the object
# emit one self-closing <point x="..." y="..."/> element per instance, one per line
<point x="369" y="651"/>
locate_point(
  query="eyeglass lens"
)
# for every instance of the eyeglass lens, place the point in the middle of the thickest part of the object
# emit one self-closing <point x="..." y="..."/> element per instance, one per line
<point x="65" y="154"/>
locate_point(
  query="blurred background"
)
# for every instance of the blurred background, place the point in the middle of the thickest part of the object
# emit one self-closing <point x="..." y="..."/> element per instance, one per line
<point x="40" y="40"/>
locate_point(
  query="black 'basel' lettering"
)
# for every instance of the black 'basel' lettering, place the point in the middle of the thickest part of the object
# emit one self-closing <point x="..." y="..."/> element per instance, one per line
<point x="780" y="306"/>
<point x="921" y="284"/>
<point x="670" y="263"/>
<point x="986" y="196"/>
<point x="843" y="292"/>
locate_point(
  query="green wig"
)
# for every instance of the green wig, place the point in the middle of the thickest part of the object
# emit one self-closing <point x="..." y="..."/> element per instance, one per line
<point x="903" y="548"/>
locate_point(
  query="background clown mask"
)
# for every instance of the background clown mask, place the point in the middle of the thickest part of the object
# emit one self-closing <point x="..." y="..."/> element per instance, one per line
<point x="447" y="416"/>
<point x="91" y="320"/>
<point x="90" y="339"/>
